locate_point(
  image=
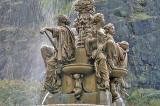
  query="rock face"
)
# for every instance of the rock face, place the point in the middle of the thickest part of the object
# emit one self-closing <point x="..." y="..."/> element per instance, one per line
<point x="19" y="22"/>
<point x="20" y="41"/>
<point x="138" y="22"/>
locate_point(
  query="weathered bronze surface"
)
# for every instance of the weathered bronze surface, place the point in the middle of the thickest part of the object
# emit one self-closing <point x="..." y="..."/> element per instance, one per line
<point x="89" y="69"/>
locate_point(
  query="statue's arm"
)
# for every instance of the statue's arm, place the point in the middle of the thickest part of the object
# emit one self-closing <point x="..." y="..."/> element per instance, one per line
<point x="49" y="29"/>
<point x="53" y="30"/>
<point x="108" y="40"/>
<point x="104" y="47"/>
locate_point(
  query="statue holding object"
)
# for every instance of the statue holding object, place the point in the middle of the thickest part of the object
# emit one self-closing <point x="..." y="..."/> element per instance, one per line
<point x="95" y="65"/>
<point x="116" y="59"/>
<point x="95" y="52"/>
<point x="65" y="45"/>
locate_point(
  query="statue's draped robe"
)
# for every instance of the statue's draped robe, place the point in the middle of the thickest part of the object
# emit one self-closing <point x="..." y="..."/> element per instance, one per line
<point x="118" y="56"/>
<point x="93" y="47"/>
<point x="65" y="43"/>
<point x="114" y="52"/>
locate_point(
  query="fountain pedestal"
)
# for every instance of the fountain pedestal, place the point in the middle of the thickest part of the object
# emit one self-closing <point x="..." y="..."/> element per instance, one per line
<point x="85" y="84"/>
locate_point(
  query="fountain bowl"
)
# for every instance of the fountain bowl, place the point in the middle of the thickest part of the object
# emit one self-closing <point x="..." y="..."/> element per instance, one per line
<point x="118" y="73"/>
<point x="77" y="68"/>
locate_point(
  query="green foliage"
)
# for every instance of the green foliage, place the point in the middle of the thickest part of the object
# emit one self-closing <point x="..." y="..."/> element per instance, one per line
<point x="144" y="97"/>
<point x="119" y="12"/>
<point x="135" y="96"/>
<point x="142" y="2"/>
<point x="52" y="8"/>
<point x="131" y="77"/>
<point x="154" y="102"/>
<point x="142" y="78"/>
<point x="138" y="8"/>
<point x="18" y="92"/>
<point x="44" y="3"/>
<point x="99" y="0"/>
<point x="123" y="13"/>
<point x="65" y="9"/>
<point x="139" y="16"/>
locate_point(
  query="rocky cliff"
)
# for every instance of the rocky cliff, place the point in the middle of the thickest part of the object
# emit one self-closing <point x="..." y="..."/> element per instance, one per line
<point x="20" y="41"/>
<point x="19" y="21"/>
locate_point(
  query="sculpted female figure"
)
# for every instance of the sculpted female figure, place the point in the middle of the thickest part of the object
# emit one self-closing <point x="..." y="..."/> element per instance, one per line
<point x="93" y="46"/>
<point x="116" y="60"/>
<point x="116" y="52"/>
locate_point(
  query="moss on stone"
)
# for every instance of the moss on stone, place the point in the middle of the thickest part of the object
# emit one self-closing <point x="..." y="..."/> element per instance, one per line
<point x="142" y="2"/>
<point x="138" y="8"/>
<point x="99" y="0"/>
<point x="139" y="16"/>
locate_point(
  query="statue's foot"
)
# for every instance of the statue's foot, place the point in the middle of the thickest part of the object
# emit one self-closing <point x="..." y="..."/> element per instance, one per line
<point x="124" y="93"/>
<point x="115" y="98"/>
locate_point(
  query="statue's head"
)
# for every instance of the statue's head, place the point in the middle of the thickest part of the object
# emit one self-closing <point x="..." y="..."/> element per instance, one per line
<point x="98" y="20"/>
<point x="63" y="20"/>
<point x="109" y="28"/>
<point x="124" y="45"/>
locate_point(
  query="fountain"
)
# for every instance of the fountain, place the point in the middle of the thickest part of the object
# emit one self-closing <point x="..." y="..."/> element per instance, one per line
<point x="89" y="69"/>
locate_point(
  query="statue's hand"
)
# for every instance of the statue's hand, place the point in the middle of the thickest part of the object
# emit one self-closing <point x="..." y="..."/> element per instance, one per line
<point x="43" y="30"/>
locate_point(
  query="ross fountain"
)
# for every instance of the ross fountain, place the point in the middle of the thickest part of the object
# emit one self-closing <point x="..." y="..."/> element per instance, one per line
<point x="89" y="69"/>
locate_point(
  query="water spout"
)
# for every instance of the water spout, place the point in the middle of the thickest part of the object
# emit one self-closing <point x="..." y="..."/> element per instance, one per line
<point x="45" y="98"/>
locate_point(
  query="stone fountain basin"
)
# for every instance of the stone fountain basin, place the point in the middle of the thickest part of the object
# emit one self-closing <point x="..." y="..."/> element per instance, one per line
<point x="77" y="69"/>
<point x="118" y="73"/>
<point x="87" y="68"/>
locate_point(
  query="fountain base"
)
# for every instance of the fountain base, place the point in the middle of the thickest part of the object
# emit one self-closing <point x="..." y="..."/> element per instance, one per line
<point x="87" y="99"/>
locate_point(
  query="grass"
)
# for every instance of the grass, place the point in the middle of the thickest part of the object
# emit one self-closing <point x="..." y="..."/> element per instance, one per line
<point x="19" y="93"/>
<point x="144" y="97"/>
